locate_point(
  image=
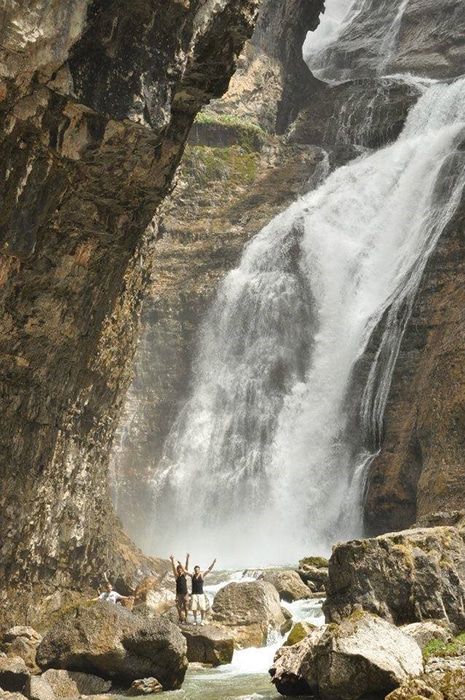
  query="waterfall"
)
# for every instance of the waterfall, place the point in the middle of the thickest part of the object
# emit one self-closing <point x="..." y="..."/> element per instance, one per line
<point x="263" y="464"/>
<point x="359" y="38"/>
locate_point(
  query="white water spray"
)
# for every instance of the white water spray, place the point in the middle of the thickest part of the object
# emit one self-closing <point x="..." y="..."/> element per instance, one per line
<point x="350" y="29"/>
<point x="259" y="464"/>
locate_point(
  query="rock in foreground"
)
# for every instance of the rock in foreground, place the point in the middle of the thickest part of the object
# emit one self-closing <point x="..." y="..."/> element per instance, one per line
<point x="111" y="642"/>
<point x="362" y="655"/>
<point x="403" y="577"/>
<point x="248" y="612"/>
<point x="208" y="645"/>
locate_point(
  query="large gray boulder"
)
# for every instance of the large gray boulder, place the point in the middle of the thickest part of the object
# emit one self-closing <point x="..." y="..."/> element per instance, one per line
<point x="114" y="643"/>
<point x="288" y="584"/>
<point x="208" y="645"/>
<point x="363" y="655"/>
<point x="405" y="577"/>
<point x="248" y="612"/>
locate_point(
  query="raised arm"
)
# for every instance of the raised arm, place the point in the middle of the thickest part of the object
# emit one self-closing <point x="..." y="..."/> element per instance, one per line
<point x="209" y="568"/>
<point x="173" y="566"/>
<point x="186" y="567"/>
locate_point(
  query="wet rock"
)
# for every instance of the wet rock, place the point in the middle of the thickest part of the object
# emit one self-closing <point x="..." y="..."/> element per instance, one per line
<point x="96" y="105"/>
<point x="363" y="113"/>
<point x="113" y="643"/>
<point x="314" y="572"/>
<point x="288" y="584"/>
<point x="294" y="670"/>
<point x="404" y="577"/>
<point x="248" y="612"/>
<point x="208" y="645"/>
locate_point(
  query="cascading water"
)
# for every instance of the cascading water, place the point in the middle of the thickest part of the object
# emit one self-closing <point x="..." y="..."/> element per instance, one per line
<point x="263" y="464"/>
<point x="359" y="39"/>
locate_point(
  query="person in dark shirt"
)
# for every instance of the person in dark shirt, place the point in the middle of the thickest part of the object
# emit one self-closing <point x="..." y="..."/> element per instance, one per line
<point x="198" y="598"/>
<point x="182" y="595"/>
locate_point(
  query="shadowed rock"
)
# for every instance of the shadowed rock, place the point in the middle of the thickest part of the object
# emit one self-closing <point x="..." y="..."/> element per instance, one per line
<point x="111" y="642"/>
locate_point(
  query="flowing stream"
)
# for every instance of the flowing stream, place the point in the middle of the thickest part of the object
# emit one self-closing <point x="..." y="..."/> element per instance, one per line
<point x="247" y="677"/>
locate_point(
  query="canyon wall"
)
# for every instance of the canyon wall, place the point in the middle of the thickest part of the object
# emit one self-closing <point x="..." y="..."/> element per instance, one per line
<point x="96" y="102"/>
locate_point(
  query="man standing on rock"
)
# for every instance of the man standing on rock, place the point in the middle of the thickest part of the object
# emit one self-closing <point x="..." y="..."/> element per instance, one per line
<point x="199" y="599"/>
<point x="182" y="596"/>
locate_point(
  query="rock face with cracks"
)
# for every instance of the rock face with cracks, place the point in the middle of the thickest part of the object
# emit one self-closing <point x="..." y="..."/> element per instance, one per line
<point x="96" y="101"/>
<point x="108" y="641"/>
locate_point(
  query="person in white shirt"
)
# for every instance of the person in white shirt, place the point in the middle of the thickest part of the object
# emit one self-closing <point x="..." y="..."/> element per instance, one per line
<point x="111" y="596"/>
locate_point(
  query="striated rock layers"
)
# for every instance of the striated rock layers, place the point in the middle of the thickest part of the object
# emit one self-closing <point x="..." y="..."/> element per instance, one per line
<point x="96" y="101"/>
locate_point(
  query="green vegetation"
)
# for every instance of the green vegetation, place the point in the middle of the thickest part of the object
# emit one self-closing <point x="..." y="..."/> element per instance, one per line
<point x="246" y="134"/>
<point x="319" y="562"/>
<point x="231" y="165"/>
<point x="436" y="647"/>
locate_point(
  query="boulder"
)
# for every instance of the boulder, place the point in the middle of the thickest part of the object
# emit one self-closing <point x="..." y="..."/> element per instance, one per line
<point x="208" y="645"/>
<point x="415" y="689"/>
<point x="362" y="655"/>
<point x="38" y="688"/>
<point x="424" y="632"/>
<point x="288" y="584"/>
<point x="299" y="631"/>
<point x="67" y="684"/>
<point x="22" y="641"/>
<point x="248" y="612"/>
<point x="116" y="644"/>
<point x="6" y="695"/>
<point x="314" y="572"/>
<point x="447" y="676"/>
<point x="294" y="670"/>
<point x="13" y="673"/>
<point x="365" y="654"/>
<point x="145" y="686"/>
<point x="405" y="577"/>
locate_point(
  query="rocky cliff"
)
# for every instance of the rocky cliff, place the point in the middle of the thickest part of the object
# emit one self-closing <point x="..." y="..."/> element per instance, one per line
<point x="96" y="102"/>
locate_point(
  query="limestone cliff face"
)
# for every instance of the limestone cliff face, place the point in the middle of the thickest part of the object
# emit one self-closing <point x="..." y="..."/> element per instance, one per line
<point x="96" y="101"/>
<point x="420" y="469"/>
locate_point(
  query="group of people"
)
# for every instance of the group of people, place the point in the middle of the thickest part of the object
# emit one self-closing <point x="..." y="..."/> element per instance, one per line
<point x="198" y="599"/>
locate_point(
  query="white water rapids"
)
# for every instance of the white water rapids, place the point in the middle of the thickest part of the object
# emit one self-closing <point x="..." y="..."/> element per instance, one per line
<point x="265" y="462"/>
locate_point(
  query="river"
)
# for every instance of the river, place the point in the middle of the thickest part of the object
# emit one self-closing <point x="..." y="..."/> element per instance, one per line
<point x="247" y="677"/>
